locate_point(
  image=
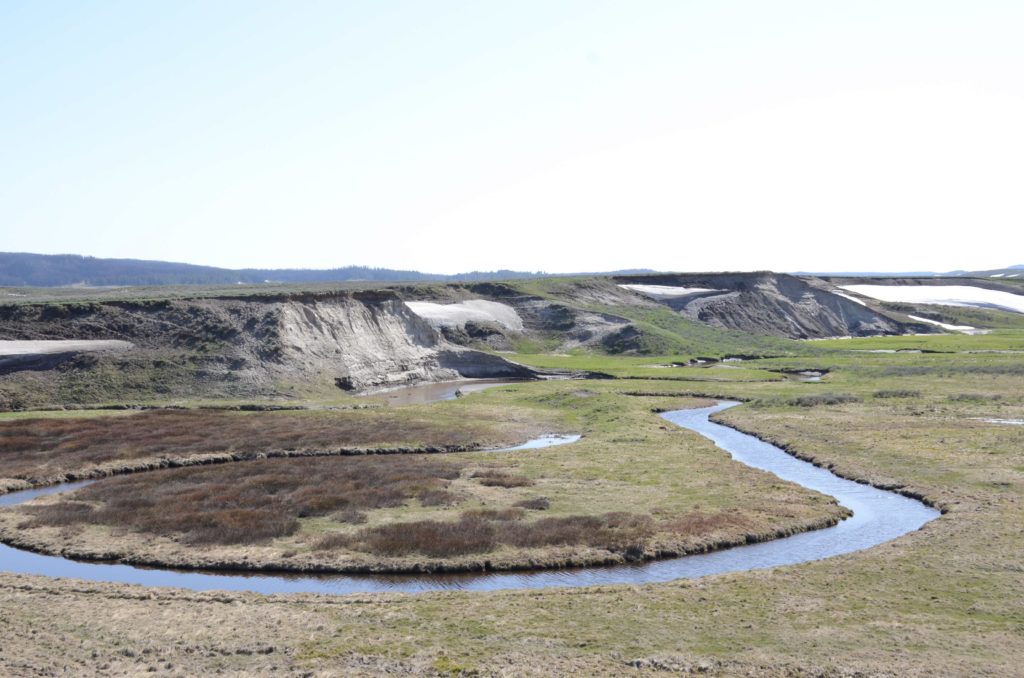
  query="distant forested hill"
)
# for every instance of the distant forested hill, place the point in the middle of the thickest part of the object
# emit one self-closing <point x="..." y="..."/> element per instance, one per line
<point x="61" y="270"/>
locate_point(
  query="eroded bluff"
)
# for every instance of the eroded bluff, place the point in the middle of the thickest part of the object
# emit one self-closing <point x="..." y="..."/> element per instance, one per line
<point x="770" y="304"/>
<point x="235" y="346"/>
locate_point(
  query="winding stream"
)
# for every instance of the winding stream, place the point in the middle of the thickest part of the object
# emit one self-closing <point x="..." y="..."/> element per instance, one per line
<point x="878" y="516"/>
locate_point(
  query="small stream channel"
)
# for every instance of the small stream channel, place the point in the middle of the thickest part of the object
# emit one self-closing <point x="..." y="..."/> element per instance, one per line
<point x="878" y="516"/>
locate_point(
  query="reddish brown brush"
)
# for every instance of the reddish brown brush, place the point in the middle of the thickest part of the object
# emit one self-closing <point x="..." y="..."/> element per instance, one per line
<point x="483" y="531"/>
<point x="250" y="502"/>
<point x="496" y="478"/>
<point x="35" y="449"/>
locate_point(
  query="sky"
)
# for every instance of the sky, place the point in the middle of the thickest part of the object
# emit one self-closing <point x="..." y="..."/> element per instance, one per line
<point x="546" y="135"/>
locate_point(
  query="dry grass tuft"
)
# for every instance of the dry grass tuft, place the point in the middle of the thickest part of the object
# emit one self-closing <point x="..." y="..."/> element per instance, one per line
<point x="698" y="523"/>
<point x="897" y="393"/>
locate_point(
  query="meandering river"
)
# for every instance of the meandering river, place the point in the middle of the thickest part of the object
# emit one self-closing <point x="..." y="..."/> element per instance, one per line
<point x="878" y="516"/>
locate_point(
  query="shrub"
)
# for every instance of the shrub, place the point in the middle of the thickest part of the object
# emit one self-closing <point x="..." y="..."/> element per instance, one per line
<point x="975" y="397"/>
<point x="433" y="538"/>
<point x="350" y="516"/>
<point x="434" y="497"/>
<point x="477" y="532"/>
<point x="495" y="478"/>
<point x="535" y="504"/>
<point x="500" y="515"/>
<point x="898" y="393"/>
<point x="823" y="399"/>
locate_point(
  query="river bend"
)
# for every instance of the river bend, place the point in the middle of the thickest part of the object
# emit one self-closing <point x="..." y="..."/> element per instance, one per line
<point x="878" y="516"/>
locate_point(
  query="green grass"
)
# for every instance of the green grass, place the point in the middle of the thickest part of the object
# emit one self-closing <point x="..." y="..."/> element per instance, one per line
<point x="650" y="367"/>
<point x="997" y="340"/>
<point x="961" y="315"/>
<point x="669" y="332"/>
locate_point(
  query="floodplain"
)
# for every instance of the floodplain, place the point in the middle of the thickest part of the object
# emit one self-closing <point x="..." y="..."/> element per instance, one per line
<point x="945" y="598"/>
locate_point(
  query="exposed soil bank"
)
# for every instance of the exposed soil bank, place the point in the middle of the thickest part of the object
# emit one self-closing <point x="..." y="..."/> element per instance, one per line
<point x="878" y="516"/>
<point x="767" y="303"/>
<point x="246" y="346"/>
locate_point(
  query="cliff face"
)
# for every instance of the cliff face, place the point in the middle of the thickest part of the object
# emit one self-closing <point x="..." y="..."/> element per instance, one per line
<point x="359" y="342"/>
<point x="240" y="346"/>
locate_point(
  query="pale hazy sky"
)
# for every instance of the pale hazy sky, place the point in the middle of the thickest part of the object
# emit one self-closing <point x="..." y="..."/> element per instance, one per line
<point x="537" y="135"/>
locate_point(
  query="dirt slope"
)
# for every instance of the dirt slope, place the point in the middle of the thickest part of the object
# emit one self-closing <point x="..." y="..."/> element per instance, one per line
<point x="773" y="303"/>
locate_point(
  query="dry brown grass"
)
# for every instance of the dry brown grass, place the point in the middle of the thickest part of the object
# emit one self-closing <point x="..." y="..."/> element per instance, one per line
<point x="251" y="502"/>
<point x="699" y="523"/>
<point x="36" y="449"/>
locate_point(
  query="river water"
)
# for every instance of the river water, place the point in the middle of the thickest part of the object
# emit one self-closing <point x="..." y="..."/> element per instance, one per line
<point x="878" y="516"/>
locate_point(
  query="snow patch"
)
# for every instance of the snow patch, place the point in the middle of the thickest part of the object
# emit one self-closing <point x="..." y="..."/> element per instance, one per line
<point x="667" y="291"/>
<point x="947" y="295"/>
<point x="954" y="328"/>
<point x="51" y="346"/>
<point x="478" y="310"/>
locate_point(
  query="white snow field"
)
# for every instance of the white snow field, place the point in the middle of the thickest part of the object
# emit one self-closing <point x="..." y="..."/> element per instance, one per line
<point x="667" y="291"/>
<point x="947" y="295"/>
<point x="479" y="310"/>
<point x="952" y="328"/>
<point x="30" y="347"/>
